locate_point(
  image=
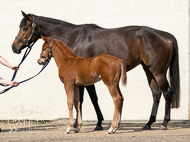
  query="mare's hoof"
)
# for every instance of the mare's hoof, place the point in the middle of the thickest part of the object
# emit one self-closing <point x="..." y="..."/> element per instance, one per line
<point x="162" y="127"/>
<point x="98" y="128"/>
<point x="0" y="129"/>
<point x="75" y="125"/>
<point x="146" y="127"/>
<point x="76" y="131"/>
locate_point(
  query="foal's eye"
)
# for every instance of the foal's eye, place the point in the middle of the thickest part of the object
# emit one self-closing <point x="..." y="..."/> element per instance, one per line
<point x="44" y="49"/>
<point x="25" y="29"/>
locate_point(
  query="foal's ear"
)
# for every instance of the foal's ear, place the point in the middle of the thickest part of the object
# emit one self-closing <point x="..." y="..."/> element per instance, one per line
<point x="46" y="39"/>
<point x="25" y="16"/>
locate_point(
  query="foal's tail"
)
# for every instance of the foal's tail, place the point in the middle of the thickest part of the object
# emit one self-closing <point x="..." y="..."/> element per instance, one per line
<point x="123" y="73"/>
<point x="174" y="74"/>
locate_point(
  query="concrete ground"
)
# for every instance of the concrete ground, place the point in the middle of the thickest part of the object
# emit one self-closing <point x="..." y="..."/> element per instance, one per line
<point x="25" y="130"/>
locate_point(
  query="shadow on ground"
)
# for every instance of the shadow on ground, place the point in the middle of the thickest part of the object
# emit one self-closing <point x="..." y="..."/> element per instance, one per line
<point x="129" y="126"/>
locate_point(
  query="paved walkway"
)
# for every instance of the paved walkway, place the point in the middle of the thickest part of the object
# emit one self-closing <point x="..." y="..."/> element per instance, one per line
<point x="130" y="131"/>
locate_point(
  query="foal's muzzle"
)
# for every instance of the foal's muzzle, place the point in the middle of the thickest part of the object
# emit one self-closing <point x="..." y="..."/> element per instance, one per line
<point x="41" y="62"/>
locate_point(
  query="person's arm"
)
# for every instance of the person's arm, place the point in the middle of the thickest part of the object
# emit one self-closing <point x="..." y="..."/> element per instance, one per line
<point x="6" y="63"/>
<point x="7" y="82"/>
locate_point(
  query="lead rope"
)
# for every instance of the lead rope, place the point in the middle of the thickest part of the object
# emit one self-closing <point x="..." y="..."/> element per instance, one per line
<point x="23" y="58"/>
<point x="44" y="66"/>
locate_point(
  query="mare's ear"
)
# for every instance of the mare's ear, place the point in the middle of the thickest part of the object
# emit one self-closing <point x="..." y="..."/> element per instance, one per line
<point x="46" y="39"/>
<point x="25" y="16"/>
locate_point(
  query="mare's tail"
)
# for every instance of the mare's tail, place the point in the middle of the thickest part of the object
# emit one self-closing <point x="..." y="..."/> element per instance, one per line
<point x="174" y="74"/>
<point x="123" y="73"/>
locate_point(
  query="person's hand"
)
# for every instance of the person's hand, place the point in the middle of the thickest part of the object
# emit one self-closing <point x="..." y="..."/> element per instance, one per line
<point x="14" y="83"/>
<point x="14" y="67"/>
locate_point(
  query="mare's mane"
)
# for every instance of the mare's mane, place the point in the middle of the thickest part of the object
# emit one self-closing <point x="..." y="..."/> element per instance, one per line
<point x="50" y="20"/>
<point x="64" y="47"/>
<point x="46" y="19"/>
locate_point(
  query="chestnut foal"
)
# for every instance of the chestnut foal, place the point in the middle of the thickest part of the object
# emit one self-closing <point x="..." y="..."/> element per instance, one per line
<point x="75" y="71"/>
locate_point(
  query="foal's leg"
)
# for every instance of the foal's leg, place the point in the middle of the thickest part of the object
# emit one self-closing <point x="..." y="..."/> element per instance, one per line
<point x="156" y="93"/>
<point x="118" y="121"/>
<point x="81" y="95"/>
<point x="69" y="88"/>
<point x="93" y="96"/>
<point x="77" y="107"/>
<point x="118" y="102"/>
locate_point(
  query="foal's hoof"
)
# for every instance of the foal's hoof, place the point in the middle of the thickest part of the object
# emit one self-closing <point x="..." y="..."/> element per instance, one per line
<point x="66" y="132"/>
<point x="98" y="128"/>
<point x="109" y="132"/>
<point x="0" y="129"/>
<point x="162" y="127"/>
<point x="146" y="127"/>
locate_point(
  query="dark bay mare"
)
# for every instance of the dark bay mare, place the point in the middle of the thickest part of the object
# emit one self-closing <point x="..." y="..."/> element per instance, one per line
<point x="155" y="50"/>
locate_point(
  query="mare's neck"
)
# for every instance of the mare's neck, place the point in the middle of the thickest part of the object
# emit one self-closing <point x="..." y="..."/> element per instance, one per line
<point x="56" y="29"/>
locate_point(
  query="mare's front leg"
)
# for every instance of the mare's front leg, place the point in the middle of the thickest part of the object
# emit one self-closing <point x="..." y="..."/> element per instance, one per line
<point x="93" y="96"/>
<point x="69" y="88"/>
<point x="78" y="110"/>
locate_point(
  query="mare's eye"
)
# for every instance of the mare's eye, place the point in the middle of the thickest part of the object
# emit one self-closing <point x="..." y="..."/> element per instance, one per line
<point x="25" y="29"/>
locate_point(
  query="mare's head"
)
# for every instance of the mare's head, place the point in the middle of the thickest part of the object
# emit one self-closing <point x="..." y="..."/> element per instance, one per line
<point x="46" y="52"/>
<point x="26" y="35"/>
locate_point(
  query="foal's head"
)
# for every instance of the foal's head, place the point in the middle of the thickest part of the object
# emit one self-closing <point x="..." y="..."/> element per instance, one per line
<point x="46" y="52"/>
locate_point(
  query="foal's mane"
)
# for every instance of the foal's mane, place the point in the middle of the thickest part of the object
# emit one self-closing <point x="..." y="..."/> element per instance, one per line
<point x="63" y="47"/>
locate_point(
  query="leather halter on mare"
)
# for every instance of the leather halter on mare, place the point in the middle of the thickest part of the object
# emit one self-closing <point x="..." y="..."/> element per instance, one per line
<point x="24" y="57"/>
<point x="27" y="50"/>
<point x="31" y="35"/>
<point x="28" y="45"/>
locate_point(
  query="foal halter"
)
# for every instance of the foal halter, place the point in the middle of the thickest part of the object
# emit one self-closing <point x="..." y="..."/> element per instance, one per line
<point x="31" y="35"/>
<point x="49" y="52"/>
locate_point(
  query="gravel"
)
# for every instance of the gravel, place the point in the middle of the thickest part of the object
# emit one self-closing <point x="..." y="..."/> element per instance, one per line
<point x="26" y="130"/>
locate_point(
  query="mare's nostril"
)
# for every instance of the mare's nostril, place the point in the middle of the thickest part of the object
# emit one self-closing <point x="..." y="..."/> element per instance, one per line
<point x="14" y="48"/>
<point x="38" y="61"/>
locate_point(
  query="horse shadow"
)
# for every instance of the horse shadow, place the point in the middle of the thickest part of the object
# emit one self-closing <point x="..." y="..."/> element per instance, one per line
<point x="126" y="127"/>
<point x="134" y="126"/>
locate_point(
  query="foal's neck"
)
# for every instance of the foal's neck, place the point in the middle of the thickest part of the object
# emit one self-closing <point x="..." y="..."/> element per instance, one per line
<point x="61" y="52"/>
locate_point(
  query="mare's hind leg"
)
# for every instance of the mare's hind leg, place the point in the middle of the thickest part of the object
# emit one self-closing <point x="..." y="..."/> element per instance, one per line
<point x="156" y="93"/>
<point x="118" y="102"/>
<point x="168" y="94"/>
<point x="77" y="107"/>
<point x="69" y="88"/>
